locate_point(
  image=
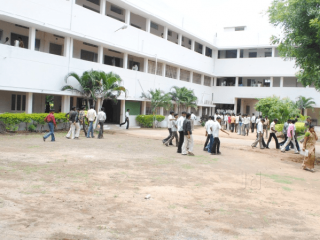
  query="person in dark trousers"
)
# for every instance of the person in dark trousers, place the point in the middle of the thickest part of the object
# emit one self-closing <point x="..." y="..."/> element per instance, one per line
<point x="102" y="117"/>
<point x="273" y="132"/>
<point x="52" y="124"/>
<point x="127" y="119"/>
<point x="180" y="130"/>
<point x="82" y="118"/>
<point x="216" y="127"/>
<point x="170" y="119"/>
<point x="72" y="120"/>
<point x="174" y="134"/>
<point x="208" y="127"/>
<point x="253" y="122"/>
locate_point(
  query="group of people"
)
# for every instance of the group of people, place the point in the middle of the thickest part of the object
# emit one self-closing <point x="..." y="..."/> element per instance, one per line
<point x="17" y="43"/>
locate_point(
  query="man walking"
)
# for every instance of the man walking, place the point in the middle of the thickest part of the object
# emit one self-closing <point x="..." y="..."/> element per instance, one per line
<point x="91" y="115"/>
<point x="174" y="134"/>
<point x="260" y="135"/>
<point x="284" y="131"/>
<point x="170" y="119"/>
<point x="127" y="119"/>
<point x="82" y="117"/>
<point x="187" y="147"/>
<point x="273" y="132"/>
<point x="72" y="120"/>
<point x="233" y="119"/>
<point x="193" y="119"/>
<point x="101" y="119"/>
<point x="266" y="126"/>
<point x="208" y="127"/>
<point x="77" y="131"/>
<point x="216" y="127"/>
<point x="236" y="125"/>
<point x="246" y="125"/>
<point x="52" y="124"/>
<point x="253" y="122"/>
<point x="290" y="135"/>
<point x="180" y="130"/>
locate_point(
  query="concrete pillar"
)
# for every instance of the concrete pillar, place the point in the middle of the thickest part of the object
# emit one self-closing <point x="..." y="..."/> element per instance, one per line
<point x="103" y="7"/>
<point x="204" y="50"/>
<point x="144" y="108"/>
<point x="211" y="82"/>
<point x="32" y="38"/>
<point x="271" y="81"/>
<point x="127" y="21"/>
<point x="123" y="111"/>
<point x="100" y="54"/>
<point x="191" y="77"/>
<point x="161" y="110"/>
<point x="235" y="106"/>
<point x="238" y="53"/>
<point x="200" y="111"/>
<point x="192" y="44"/>
<point x="215" y="81"/>
<point x="29" y="102"/>
<point x="237" y="82"/>
<point x="273" y="52"/>
<point x="67" y="46"/>
<point x="178" y="73"/>
<point x="179" y="39"/>
<point x="165" y="34"/>
<point x="65" y="104"/>
<point x="202" y="79"/>
<point x="163" y="70"/>
<point x="242" y="106"/>
<point x="145" y="65"/>
<point x="125" y="60"/>
<point x="281" y="82"/>
<point x="148" y="23"/>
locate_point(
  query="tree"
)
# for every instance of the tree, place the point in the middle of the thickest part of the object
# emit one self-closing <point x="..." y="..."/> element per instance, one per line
<point x="300" y="39"/>
<point x="274" y="107"/>
<point x="89" y="84"/>
<point x="183" y="97"/>
<point x="110" y="87"/>
<point x="305" y="103"/>
<point x="158" y="99"/>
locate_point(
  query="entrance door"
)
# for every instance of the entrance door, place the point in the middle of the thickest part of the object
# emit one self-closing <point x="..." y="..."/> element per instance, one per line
<point x="112" y="111"/>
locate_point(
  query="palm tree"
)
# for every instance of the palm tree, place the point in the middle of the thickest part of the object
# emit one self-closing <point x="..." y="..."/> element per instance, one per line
<point x="183" y="97"/>
<point x="158" y="99"/>
<point x="110" y="87"/>
<point x="305" y="103"/>
<point x="89" y="84"/>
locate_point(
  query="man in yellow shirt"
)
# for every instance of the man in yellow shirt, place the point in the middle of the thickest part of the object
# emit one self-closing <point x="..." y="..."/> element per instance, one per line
<point x="233" y="120"/>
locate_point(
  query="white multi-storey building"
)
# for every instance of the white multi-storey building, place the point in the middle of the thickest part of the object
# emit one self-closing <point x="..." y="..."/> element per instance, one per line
<point x="62" y="36"/>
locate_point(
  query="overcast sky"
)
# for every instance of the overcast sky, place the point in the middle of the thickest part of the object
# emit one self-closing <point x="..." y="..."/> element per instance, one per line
<point x="205" y="17"/>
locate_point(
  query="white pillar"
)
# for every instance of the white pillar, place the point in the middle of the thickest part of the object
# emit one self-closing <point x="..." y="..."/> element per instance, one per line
<point x="192" y="44"/>
<point x="144" y="108"/>
<point x="211" y="82"/>
<point x="148" y="23"/>
<point x="273" y="52"/>
<point x="215" y="81"/>
<point x="241" y="107"/>
<point x="127" y="21"/>
<point x="145" y="65"/>
<point x="235" y="105"/>
<point x="203" y="49"/>
<point x="123" y="111"/>
<point x="281" y="82"/>
<point x="200" y="111"/>
<point x="237" y="82"/>
<point x="238" y="53"/>
<point x="178" y="73"/>
<point x="65" y="104"/>
<point x="100" y="54"/>
<point x="163" y="70"/>
<point x="271" y="81"/>
<point x="161" y="110"/>
<point x="191" y="77"/>
<point x="67" y="46"/>
<point x="103" y="7"/>
<point x="202" y="79"/>
<point x="29" y="101"/>
<point x="125" y="60"/>
<point x="179" y="39"/>
<point x="32" y="38"/>
<point x="165" y="34"/>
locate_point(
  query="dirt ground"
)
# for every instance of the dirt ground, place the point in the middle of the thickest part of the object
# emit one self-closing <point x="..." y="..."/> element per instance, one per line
<point x="95" y="189"/>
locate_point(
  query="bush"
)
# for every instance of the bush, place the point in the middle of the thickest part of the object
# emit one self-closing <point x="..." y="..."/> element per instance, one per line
<point x="32" y="128"/>
<point x="300" y="128"/>
<point x="147" y="120"/>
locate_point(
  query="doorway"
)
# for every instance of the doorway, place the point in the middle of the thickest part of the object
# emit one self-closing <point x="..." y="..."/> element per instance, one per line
<point x="112" y="111"/>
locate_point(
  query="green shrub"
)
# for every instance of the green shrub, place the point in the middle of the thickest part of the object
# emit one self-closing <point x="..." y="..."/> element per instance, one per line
<point x="147" y="120"/>
<point x="32" y="128"/>
<point x="300" y="128"/>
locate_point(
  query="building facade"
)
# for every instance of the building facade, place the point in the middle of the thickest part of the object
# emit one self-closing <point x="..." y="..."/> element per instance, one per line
<point x="62" y="36"/>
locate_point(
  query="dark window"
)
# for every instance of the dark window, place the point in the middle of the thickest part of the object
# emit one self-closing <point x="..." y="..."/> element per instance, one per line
<point x="268" y="54"/>
<point x="92" y="9"/>
<point x="231" y="53"/>
<point x="37" y="45"/>
<point x="189" y="42"/>
<point x="136" y="26"/>
<point x="252" y="54"/>
<point x="18" y="102"/>
<point x="13" y="102"/>
<point x="55" y="49"/>
<point x="1" y="32"/>
<point x="169" y="33"/>
<point x="71" y="102"/>
<point x="241" y="53"/>
<point x="15" y="36"/>
<point x="208" y="52"/>
<point x="113" y="61"/>
<point x="239" y="29"/>
<point x="95" y="2"/>
<point x="116" y="10"/>
<point x="23" y="102"/>
<point x="89" y="56"/>
<point x="154" y="25"/>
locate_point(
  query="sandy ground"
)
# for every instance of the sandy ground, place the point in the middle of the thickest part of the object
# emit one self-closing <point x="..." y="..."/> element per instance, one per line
<point x="95" y="189"/>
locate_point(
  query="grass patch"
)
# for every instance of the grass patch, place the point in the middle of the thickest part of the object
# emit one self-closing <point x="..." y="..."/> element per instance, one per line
<point x="34" y="146"/>
<point x="281" y="179"/>
<point x="286" y="189"/>
<point x="187" y="166"/>
<point x="205" y="159"/>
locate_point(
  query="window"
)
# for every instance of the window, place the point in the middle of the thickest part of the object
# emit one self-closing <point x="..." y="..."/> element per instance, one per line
<point x="1" y="32"/>
<point x="241" y="53"/>
<point x="37" y="45"/>
<point x="208" y="52"/>
<point x="55" y="49"/>
<point x="89" y="56"/>
<point x="169" y="33"/>
<point x="23" y="102"/>
<point x="19" y="102"/>
<point x="116" y="10"/>
<point x="92" y="9"/>
<point x="154" y="25"/>
<point x="97" y="2"/>
<point x="13" y="102"/>
<point x="15" y="36"/>
<point x="189" y="42"/>
<point x="268" y="54"/>
<point x="239" y="29"/>
<point x="207" y="81"/>
<point x="182" y="39"/>
<point x="252" y="54"/>
<point x="231" y="53"/>
<point x="136" y="26"/>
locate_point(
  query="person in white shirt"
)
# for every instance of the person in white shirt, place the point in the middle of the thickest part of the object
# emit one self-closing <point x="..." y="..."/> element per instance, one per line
<point x="260" y="135"/>
<point x="257" y="121"/>
<point x="174" y="134"/>
<point x="180" y="130"/>
<point x="127" y="119"/>
<point x="273" y="132"/>
<point x="246" y="125"/>
<point x="102" y="117"/>
<point x="170" y="119"/>
<point x="236" y="125"/>
<point x="216" y="127"/>
<point x="91" y="115"/>
<point x="193" y="119"/>
<point x="253" y="122"/>
<point x="208" y="127"/>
